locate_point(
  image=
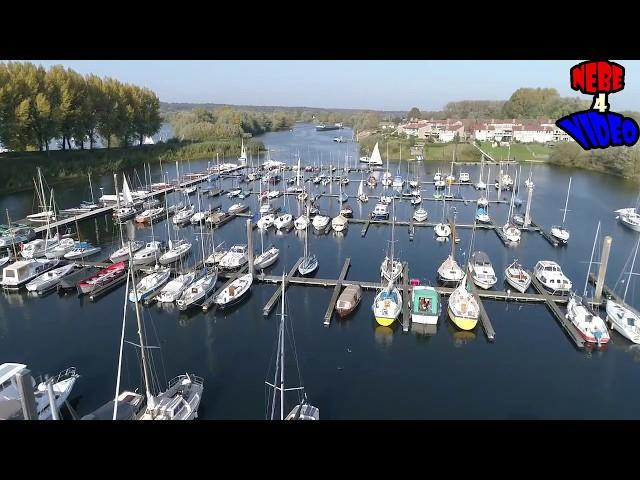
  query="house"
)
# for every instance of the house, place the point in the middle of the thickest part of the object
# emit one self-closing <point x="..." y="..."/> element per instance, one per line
<point x="387" y="126"/>
<point x="409" y="129"/>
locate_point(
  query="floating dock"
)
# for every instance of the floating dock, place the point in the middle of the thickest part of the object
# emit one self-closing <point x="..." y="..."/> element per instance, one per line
<point x="336" y="292"/>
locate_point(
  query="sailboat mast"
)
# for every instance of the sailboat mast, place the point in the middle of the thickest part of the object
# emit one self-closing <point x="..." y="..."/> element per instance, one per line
<point x="281" y="342"/>
<point x="143" y="350"/>
<point x="201" y="234"/>
<point x="43" y="205"/>
<point x="393" y="224"/>
<point x="167" y="210"/>
<point x="566" y="203"/>
<point x="13" y="241"/>
<point x="91" y="188"/>
<point x="593" y="249"/>
<point x="624" y="297"/>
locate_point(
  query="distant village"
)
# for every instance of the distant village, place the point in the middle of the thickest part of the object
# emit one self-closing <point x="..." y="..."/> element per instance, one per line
<point x="499" y="132"/>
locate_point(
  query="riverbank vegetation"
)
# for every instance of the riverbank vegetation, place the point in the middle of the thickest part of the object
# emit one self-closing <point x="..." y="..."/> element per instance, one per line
<point x="619" y="161"/>
<point x="39" y="105"/>
<point x="19" y="168"/>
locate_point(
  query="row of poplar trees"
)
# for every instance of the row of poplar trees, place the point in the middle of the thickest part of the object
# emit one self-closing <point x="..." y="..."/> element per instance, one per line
<point x="38" y="105"/>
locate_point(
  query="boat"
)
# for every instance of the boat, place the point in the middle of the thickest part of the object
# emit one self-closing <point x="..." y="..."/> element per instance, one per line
<point x="441" y="229"/>
<point x="339" y="223"/>
<point x="233" y="293"/>
<point x="189" y="190"/>
<point x="199" y="217"/>
<point x="590" y="327"/>
<point x="4" y="260"/>
<point x="23" y="271"/>
<point x="235" y="258"/>
<point x="449" y="270"/>
<point x="301" y="222"/>
<point x="416" y="200"/>
<point x="482" y="215"/>
<point x="398" y="182"/>
<point x="125" y="213"/>
<point x="238" y="208"/>
<point x="385" y="199"/>
<point x="518" y="219"/>
<point x="149" y="285"/>
<point x="361" y="195"/>
<point x="324" y="127"/>
<point x="371" y="181"/>
<point x="242" y="159"/>
<point x="273" y="194"/>
<point x="517" y="276"/>
<point x="346" y="211"/>
<point x="380" y="212"/>
<point x="123" y="253"/>
<point x="510" y="231"/>
<point x="150" y="215"/>
<point x="629" y="217"/>
<point x="387" y="304"/>
<point x="302" y="196"/>
<point x="266" y="221"/>
<point x="464" y="177"/>
<point x="149" y="254"/>
<point x="103" y="277"/>
<point x="559" y="231"/>
<point x="64" y="246"/>
<point x="16" y="235"/>
<point x="183" y="217"/>
<point x="266" y="258"/>
<point x="172" y="290"/>
<point x="50" y="279"/>
<point x="391" y="269"/>
<point x="302" y="410"/>
<point x="481" y="270"/>
<point x="177" y="250"/>
<point x="266" y="209"/>
<point x="463" y="307"/>
<point x="348" y="300"/>
<point x="309" y="262"/>
<point x="283" y="221"/>
<point x="320" y="222"/>
<point x="375" y="158"/>
<point x="216" y="256"/>
<point x="81" y="250"/>
<point x="425" y="305"/>
<point x="62" y="385"/>
<point x="420" y="215"/>
<point x="234" y="192"/>
<point x="550" y="275"/>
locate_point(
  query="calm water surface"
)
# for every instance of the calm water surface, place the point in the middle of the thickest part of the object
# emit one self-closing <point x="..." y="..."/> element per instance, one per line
<point x="354" y="369"/>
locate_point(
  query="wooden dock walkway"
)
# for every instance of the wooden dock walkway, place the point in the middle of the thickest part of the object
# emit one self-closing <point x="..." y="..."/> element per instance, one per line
<point x="276" y="295"/>
<point x="336" y="292"/>
<point x="557" y="313"/>
<point x="231" y="277"/>
<point x="484" y="316"/>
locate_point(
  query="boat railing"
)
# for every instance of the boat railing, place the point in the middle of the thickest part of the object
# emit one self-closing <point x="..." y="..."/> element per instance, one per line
<point x="63" y="375"/>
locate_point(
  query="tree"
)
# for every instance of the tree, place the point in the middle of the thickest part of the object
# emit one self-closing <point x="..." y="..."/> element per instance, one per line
<point x="414" y="113"/>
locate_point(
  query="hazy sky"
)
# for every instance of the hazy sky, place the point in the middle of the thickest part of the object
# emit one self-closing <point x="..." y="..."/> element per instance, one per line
<point x="379" y="84"/>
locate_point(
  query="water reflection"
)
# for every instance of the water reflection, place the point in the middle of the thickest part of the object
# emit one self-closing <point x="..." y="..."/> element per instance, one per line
<point x="424" y="330"/>
<point x="383" y="335"/>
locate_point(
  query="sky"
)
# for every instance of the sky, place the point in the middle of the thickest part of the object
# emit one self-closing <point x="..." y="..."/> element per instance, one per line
<point x="360" y="84"/>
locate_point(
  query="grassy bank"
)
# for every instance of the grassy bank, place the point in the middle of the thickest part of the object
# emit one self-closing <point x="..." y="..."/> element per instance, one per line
<point x="19" y="168"/>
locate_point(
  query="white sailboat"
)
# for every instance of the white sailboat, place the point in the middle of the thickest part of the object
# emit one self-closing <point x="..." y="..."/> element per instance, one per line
<point x="361" y="195"/>
<point x="620" y="316"/>
<point x="442" y="230"/>
<point x="511" y="231"/>
<point x="242" y="159"/>
<point x="560" y="232"/>
<point x="303" y="410"/>
<point x="375" y="158"/>
<point x="391" y="269"/>
<point x="309" y="262"/>
<point x="387" y="304"/>
<point x="463" y="307"/>
<point x="450" y="271"/>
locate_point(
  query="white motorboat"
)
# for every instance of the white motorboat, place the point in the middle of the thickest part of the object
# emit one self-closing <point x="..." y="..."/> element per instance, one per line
<point x="62" y="385"/>
<point x="266" y="258"/>
<point x="590" y="327"/>
<point x="339" y="223"/>
<point x="550" y="275"/>
<point x="23" y="271"/>
<point x="198" y="291"/>
<point x="386" y="199"/>
<point x="234" y="292"/>
<point x="420" y="215"/>
<point x="235" y="258"/>
<point x="149" y="254"/>
<point x="416" y="200"/>
<point x="266" y="209"/>
<point x="199" y="217"/>
<point x="150" y="215"/>
<point x="49" y="279"/>
<point x="81" y="250"/>
<point x="149" y="285"/>
<point x="624" y="320"/>
<point x="320" y="222"/>
<point x="122" y="253"/>
<point x="301" y="222"/>
<point x="283" y="221"/>
<point x="361" y="195"/>
<point x="234" y="192"/>
<point x="178" y="250"/>
<point x="273" y="194"/>
<point x="238" y="208"/>
<point x="391" y="271"/>
<point x="464" y="177"/>
<point x="172" y="290"/>
<point x="482" y="271"/>
<point x="629" y="218"/>
<point x="64" y="245"/>
<point x="266" y="221"/>
<point x="380" y="212"/>
<point x="442" y="229"/>
<point x="517" y="276"/>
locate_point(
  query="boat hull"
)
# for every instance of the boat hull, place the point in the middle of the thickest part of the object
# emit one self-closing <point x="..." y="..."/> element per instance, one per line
<point x="463" y="323"/>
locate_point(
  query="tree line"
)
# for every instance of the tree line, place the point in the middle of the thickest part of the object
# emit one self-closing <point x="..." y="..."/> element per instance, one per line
<point x="38" y="105"/>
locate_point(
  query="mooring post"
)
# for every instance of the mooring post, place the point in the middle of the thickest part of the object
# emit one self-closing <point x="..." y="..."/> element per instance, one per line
<point x="52" y="400"/>
<point x="602" y="271"/>
<point x="250" y="245"/>
<point x="24" y="381"/>
<point x="527" y="214"/>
